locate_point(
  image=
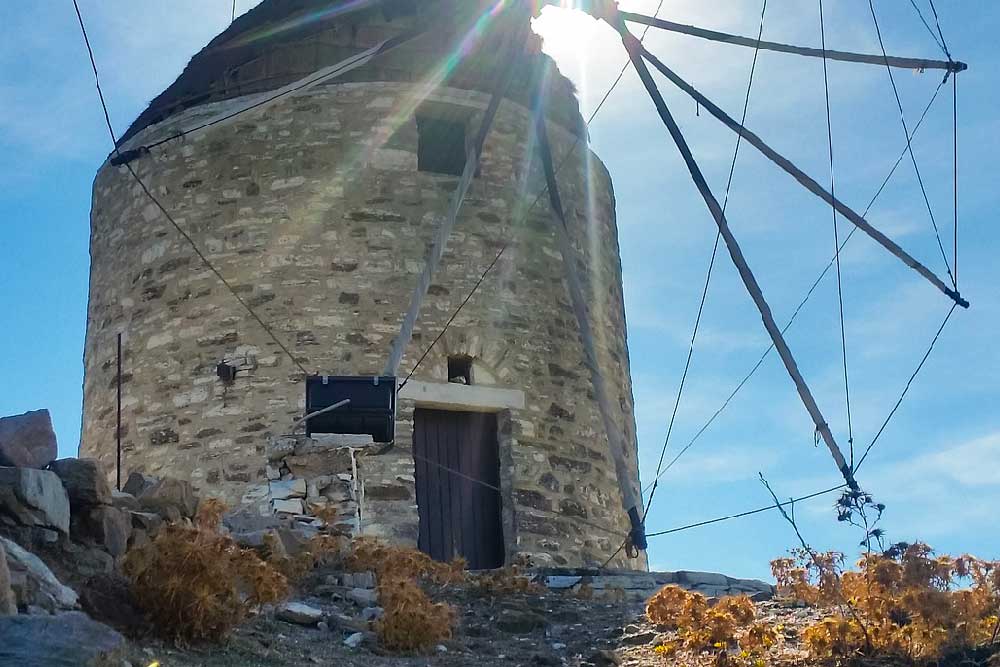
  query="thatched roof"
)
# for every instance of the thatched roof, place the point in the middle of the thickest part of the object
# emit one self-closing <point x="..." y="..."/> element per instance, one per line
<point x="280" y="41"/>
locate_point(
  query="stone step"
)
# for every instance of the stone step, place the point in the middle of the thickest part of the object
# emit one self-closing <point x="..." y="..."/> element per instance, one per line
<point x="642" y="585"/>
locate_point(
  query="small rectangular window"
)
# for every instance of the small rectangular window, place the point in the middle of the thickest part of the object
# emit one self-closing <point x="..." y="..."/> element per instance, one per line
<point x="440" y="145"/>
<point x="460" y="369"/>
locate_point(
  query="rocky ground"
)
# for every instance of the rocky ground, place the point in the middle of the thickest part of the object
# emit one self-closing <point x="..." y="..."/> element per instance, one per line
<point x="541" y="628"/>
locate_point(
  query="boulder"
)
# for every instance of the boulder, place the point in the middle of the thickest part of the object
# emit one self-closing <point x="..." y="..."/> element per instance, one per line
<point x="8" y="603"/>
<point x="520" y="621"/>
<point x="105" y="526"/>
<point x="33" y="582"/>
<point x="34" y="498"/>
<point x="363" y="597"/>
<point x="70" y="639"/>
<point x="27" y="441"/>
<point x="146" y="521"/>
<point x="84" y="481"/>
<point x="108" y="599"/>
<point x="300" y="613"/>
<point x="170" y="498"/>
<point x="87" y="561"/>
<point x="138" y="483"/>
<point x="124" y="501"/>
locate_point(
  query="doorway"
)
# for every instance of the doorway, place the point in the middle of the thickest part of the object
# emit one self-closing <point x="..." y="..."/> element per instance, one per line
<point x="457" y="476"/>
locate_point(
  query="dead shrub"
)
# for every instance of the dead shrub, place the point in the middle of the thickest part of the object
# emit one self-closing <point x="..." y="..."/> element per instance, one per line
<point x="508" y="580"/>
<point x="701" y="627"/>
<point x="411" y="622"/>
<point x="320" y="550"/>
<point x="904" y="602"/>
<point x="194" y="584"/>
<point x="368" y="554"/>
<point x="665" y="607"/>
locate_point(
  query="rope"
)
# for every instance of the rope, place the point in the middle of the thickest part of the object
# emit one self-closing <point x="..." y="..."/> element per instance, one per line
<point x="711" y="266"/>
<point x="451" y="319"/>
<point x="802" y="303"/>
<point x="612" y="556"/>
<point x="164" y="211"/>
<point x="930" y="31"/>
<point x="747" y="513"/>
<point x="541" y="193"/>
<point x="909" y="382"/>
<point x="874" y="440"/>
<point x="909" y="147"/>
<point x="836" y="236"/>
<point x="937" y="22"/>
<point x="637" y="54"/>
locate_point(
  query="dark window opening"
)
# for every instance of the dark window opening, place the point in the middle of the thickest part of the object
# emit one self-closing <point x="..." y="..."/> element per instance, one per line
<point x="440" y="145"/>
<point x="460" y="370"/>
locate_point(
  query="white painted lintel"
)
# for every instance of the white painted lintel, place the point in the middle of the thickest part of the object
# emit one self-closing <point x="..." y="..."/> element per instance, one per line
<point x="463" y="398"/>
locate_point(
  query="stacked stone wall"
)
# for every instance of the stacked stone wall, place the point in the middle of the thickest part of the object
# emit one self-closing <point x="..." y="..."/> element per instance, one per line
<point x="315" y="212"/>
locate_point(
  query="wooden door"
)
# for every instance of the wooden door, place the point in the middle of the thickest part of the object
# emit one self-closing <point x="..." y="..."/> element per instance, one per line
<point x="457" y="479"/>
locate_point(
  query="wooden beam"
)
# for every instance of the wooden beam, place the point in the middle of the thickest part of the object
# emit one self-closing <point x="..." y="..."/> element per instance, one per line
<point x="635" y="52"/>
<point x="846" y="56"/>
<point x="807" y="181"/>
<point x="616" y="443"/>
<point x="439" y="243"/>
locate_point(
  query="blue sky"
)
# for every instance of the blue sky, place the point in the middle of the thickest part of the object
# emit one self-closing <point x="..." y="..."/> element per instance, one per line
<point x="937" y="466"/>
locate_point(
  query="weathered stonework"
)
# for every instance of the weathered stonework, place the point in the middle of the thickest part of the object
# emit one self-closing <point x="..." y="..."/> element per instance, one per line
<point x="315" y="212"/>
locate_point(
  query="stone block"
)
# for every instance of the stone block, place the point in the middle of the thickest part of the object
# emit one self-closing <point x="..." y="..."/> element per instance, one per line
<point x="27" y="441"/>
<point x="34" y="498"/>
<point x="291" y="506"/>
<point x="358" y="579"/>
<point x="320" y="462"/>
<point x="84" y="480"/>
<point x="292" y="488"/>
<point x="279" y="448"/>
<point x="702" y="579"/>
<point x="321" y="441"/>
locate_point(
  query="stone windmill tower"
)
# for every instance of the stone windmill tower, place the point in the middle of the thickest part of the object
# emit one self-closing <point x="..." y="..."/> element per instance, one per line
<point x="318" y="210"/>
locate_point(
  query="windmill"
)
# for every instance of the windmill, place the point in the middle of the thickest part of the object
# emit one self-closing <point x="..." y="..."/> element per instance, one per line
<point x="510" y="18"/>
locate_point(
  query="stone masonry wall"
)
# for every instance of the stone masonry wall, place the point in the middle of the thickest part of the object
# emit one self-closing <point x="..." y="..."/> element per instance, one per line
<point x="314" y="210"/>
